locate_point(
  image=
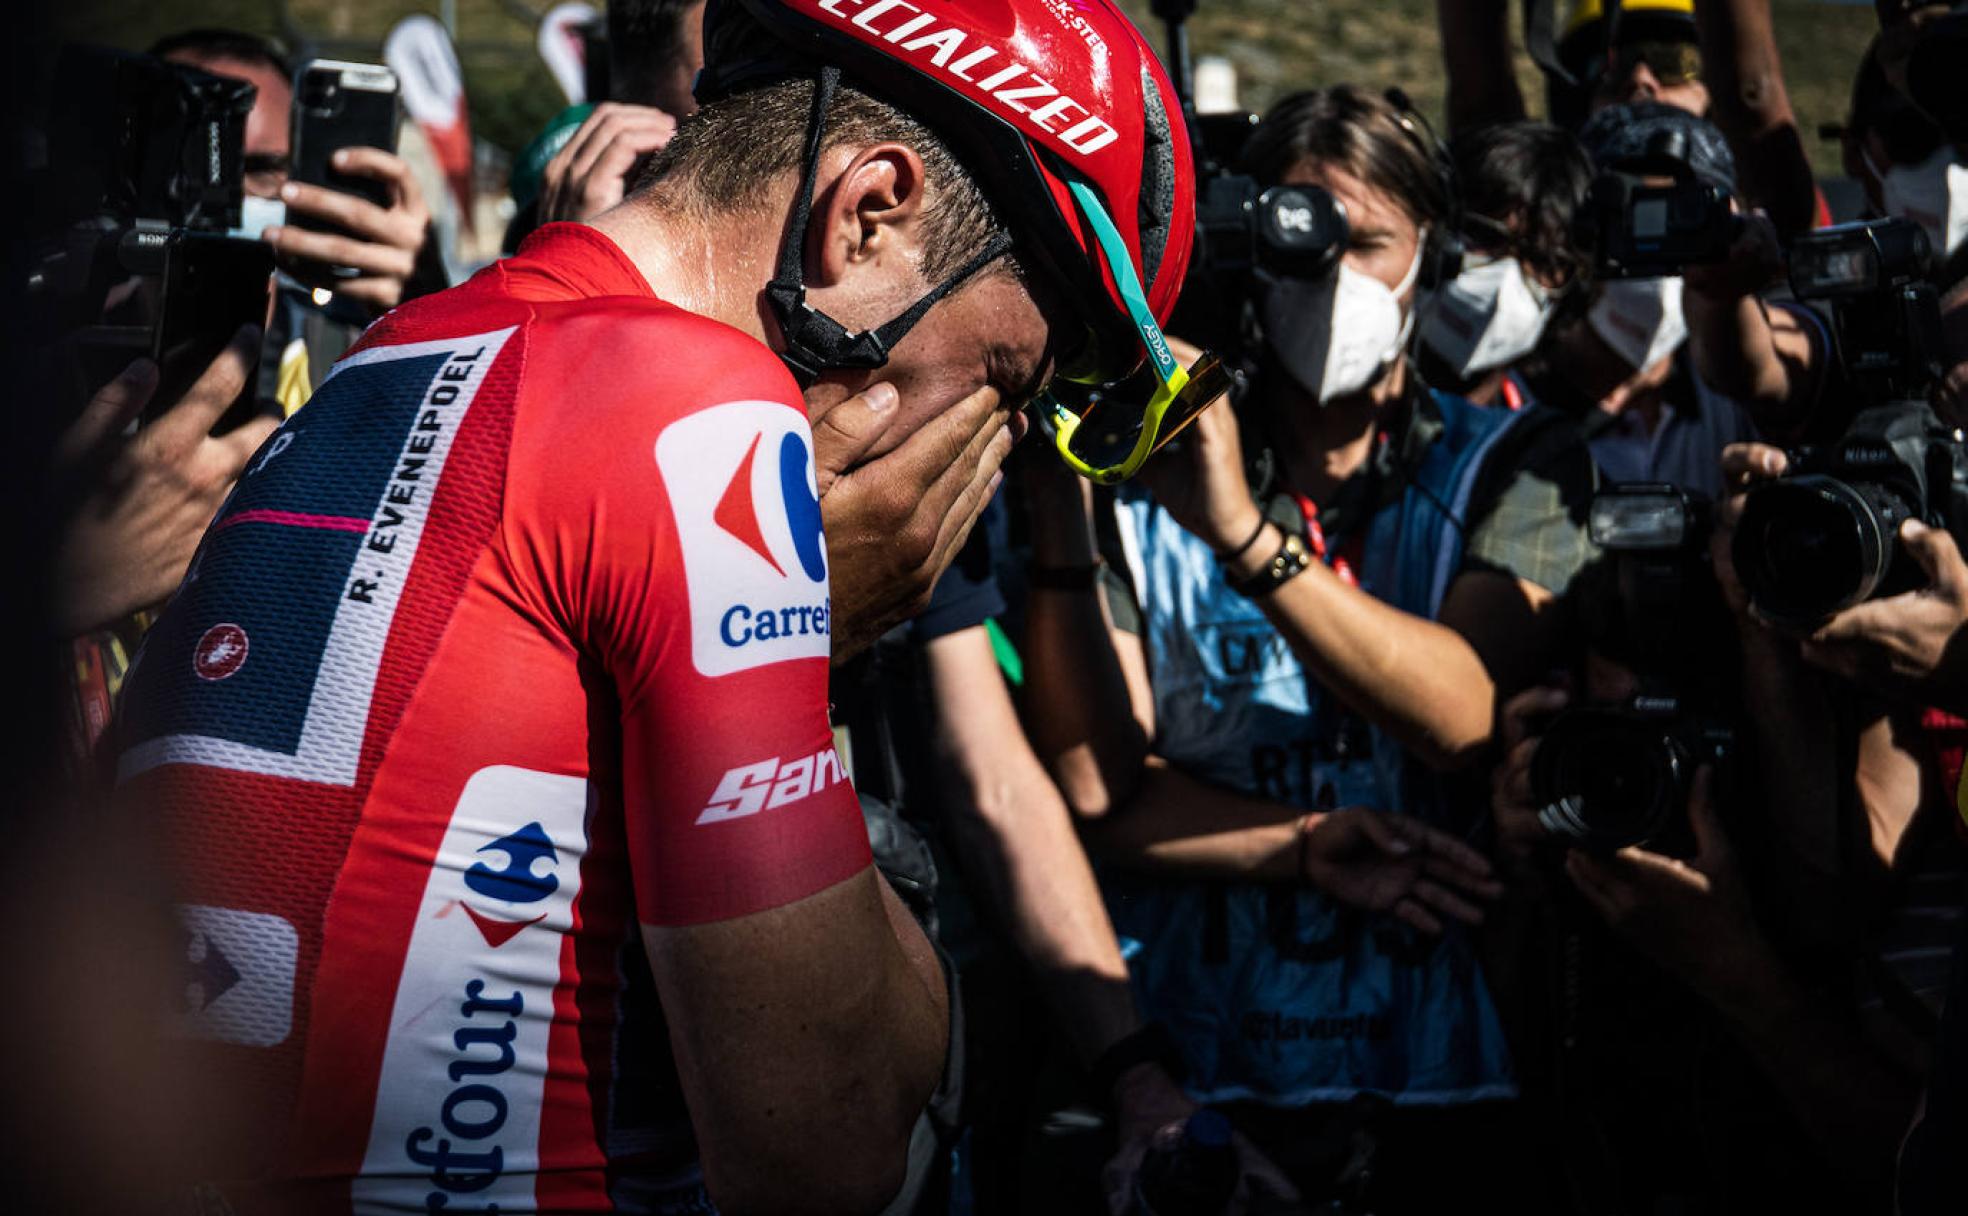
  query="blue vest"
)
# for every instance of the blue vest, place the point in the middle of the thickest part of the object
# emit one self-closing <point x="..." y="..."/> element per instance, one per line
<point x="1276" y="993"/>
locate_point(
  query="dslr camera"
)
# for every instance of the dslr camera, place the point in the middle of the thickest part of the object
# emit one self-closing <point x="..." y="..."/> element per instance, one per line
<point x="1618" y="773"/>
<point x="1651" y="215"/>
<point x="1826" y="536"/>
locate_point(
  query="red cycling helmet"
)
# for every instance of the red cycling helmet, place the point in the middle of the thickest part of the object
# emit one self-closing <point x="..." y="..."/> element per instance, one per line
<point x="1053" y="105"/>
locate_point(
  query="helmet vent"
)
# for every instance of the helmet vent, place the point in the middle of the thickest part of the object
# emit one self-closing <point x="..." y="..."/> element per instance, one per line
<point x="1157" y="198"/>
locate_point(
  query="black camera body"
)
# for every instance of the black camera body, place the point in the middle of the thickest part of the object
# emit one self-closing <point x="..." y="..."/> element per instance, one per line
<point x="130" y="252"/>
<point x="1614" y="773"/>
<point x="1644" y="228"/>
<point x="1826" y="536"/>
<point x="1611" y="775"/>
<point x="135" y="138"/>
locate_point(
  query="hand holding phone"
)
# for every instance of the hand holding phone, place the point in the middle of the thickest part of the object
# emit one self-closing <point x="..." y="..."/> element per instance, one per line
<point x="356" y="220"/>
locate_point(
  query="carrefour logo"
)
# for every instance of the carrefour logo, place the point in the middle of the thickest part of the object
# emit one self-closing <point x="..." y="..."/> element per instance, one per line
<point x="741" y="484"/>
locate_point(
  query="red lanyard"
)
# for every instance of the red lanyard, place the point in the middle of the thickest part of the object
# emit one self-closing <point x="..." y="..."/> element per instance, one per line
<point x="1315" y="538"/>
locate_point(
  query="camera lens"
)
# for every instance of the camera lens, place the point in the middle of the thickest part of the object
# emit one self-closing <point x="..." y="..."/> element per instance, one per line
<point x="1608" y="779"/>
<point x="1809" y="546"/>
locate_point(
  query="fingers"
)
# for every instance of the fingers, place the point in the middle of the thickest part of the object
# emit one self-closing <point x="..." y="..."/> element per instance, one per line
<point x="107" y="413"/>
<point x="1744" y="464"/>
<point x="1440" y="899"/>
<point x="350" y="211"/>
<point x="1938" y="555"/>
<point x="1408" y="911"/>
<point x="1388" y="833"/>
<point x="1473" y="881"/>
<point x="1520" y="711"/>
<point x="577" y="182"/>
<point x="236" y="447"/>
<point x="1712" y="848"/>
<point x="192" y="417"/>
<point x="334" y="249"/>
<point x="845" y="434"/>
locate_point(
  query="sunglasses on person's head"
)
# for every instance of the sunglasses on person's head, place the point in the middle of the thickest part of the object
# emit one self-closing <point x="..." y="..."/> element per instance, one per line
<point x="1106" y="432"/>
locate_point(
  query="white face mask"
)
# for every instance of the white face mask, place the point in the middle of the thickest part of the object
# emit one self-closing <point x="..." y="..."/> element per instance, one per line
<point x="1489" y="316"/>
<point x="257" y="214"/>
<point x="1640" y="319"/>
<point x="1933" y="194"/>
<point x="1338" y="334"/>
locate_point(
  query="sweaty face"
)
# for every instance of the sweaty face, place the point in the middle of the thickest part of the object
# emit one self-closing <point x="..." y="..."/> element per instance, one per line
<point x="994" y="334"/>
<point x="267" y="136"/>
<point x="1382" y="236"/>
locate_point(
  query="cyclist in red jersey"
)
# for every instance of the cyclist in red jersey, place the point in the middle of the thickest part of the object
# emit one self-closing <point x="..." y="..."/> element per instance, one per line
<point x="487" y="735"/>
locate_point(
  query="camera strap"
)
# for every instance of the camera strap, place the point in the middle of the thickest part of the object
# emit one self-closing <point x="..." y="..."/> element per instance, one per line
<point x="815" y="342"/>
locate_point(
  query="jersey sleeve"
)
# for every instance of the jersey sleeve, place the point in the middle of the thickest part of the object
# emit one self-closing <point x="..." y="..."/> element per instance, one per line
<point x="667" y="519"/>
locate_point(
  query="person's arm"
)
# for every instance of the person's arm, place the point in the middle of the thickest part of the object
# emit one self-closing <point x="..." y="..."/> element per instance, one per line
<point x="1692" y="918"/>
<point x="1017" y="836"/>
<point x="807" y="1038"/>
<point x="1387" y="863"/>
<point x="1476" y="52"/>
<point x="1752" y="107"/>
<point x="1764" y="356"/>
<point x="1088" y="704"/>
<point x="808" y="1016"/>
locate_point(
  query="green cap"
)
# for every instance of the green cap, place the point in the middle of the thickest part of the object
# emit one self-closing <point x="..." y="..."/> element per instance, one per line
<point x="532" y="163"/>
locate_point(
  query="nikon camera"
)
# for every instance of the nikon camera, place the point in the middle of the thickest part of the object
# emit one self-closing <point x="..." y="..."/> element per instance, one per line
<point x="1826" y="536"/>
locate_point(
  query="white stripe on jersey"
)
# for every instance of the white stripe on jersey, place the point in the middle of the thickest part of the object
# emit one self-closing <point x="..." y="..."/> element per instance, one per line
<point x="458" y="1100"/>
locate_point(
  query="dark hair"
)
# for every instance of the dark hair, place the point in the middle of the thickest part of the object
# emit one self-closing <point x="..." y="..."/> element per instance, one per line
<point x="726" y="155"/>
<point x="1359" y="131"/>
<point x="645" y="40"/>
<point x="1530" y="179"/>
<point x="213" y="43"/>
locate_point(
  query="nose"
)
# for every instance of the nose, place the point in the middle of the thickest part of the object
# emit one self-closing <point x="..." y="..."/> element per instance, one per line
<point x="1641" y="84"/>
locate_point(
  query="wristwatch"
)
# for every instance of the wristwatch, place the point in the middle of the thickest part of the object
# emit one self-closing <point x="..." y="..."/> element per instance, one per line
<point x="1287" y="563"/>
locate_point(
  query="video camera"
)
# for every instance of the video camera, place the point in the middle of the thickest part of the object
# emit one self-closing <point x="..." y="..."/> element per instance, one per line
<point x="1645" y="228"/>
<point x="142" y="185"/>
<point x="1612" y="774"/>
<point x="1243" y="231"/>
<point x="1826" y="536"/>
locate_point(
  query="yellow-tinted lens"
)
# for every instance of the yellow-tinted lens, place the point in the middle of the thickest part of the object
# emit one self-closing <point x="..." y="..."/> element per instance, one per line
<point x="1109" y="433"/>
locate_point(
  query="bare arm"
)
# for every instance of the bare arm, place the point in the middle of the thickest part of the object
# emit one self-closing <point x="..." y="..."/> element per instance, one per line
<point x="1752" y="107"/>
<point x="1018" y="837"/>
<point x="1433" y="685"/>
<point x="1765" y="357"/>
<point x="1088" y="705"/>
<point x="1476" y="52"/>
<point x="807" y="1037"/>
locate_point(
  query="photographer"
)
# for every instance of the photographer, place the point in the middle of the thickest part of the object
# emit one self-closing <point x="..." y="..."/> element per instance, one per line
<point x="1621" y="365"/>
<point x="1716" y="59"/>
<point x="1908" y="165"/>
<point x="1300" y="651"/>
<point x="1521" y="185"/>
<point x="389" y="249"/>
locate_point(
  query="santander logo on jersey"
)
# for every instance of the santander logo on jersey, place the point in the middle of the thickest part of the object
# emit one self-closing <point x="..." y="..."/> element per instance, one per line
<point x="740" y="482"/>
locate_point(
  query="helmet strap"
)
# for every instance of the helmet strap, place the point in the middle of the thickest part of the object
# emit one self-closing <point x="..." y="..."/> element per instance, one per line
<point x="815" y="342"/>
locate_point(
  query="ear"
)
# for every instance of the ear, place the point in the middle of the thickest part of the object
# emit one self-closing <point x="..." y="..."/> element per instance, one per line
<point x="869" y="213"/>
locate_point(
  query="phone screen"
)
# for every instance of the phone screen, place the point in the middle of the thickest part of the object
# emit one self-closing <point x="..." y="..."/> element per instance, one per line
<point x="212" y="286"/>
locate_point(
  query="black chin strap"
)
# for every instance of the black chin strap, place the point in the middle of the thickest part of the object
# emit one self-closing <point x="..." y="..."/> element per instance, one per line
<point x="815" y="342"/>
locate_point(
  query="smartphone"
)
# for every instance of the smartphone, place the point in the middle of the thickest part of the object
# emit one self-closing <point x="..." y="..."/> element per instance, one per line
<point x="211" y="286"/>
<point x="341" y="105"/>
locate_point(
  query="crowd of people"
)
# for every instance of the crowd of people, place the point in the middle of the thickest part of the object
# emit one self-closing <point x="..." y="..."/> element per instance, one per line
<point x="900" y="654"/>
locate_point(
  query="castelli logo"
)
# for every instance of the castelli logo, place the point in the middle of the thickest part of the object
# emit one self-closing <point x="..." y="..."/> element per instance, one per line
<point x="220" y="653"/>
<point x="958" y="53"/>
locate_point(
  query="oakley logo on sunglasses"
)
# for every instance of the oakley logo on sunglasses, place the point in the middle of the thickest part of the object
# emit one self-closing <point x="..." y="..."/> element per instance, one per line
<point x="1088" y="135"/>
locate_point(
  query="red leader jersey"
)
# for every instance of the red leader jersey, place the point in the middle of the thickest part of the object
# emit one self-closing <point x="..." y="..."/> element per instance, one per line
<point x="517" y="634"/>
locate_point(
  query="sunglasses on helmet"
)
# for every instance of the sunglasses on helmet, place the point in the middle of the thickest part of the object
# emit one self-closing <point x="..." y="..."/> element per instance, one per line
<point x="1105" y="432"/>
